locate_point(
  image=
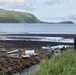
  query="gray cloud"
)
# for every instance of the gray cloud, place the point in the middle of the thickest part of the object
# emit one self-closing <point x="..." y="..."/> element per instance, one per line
<point x="18" y="4"/>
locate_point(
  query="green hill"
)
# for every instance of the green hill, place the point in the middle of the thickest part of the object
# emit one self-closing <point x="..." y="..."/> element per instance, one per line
<point x="7" y="16"/>
<point x="66" y="22"/>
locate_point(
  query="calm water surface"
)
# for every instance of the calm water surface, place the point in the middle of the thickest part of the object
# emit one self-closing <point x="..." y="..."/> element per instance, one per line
<point x="33" y="27"/>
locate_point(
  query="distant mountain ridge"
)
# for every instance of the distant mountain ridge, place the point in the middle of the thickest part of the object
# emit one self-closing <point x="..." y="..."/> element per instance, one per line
<point x="66" y="22"/>
<point x="7" y="16"/>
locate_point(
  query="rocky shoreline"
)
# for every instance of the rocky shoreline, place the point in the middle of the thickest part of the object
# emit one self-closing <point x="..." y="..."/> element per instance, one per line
<point x="31" y="44"/>
<point x="9" y="66"/>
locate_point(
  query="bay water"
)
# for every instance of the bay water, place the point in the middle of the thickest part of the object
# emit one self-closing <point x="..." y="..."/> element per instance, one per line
<point x="37" y="27"/>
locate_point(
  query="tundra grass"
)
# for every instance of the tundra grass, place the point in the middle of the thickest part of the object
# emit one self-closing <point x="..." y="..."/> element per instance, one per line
<point x="63" y="64"/>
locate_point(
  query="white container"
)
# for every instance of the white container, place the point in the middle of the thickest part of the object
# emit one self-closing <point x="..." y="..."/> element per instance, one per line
<point x="29" y="52"/>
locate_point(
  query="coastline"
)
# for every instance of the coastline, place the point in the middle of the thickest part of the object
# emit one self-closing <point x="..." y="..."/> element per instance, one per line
<point x="27" y="44"/>
<point x="18" y="64"/>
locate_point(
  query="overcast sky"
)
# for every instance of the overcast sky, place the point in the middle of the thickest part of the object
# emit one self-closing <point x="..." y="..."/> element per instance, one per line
<point x="45" y="10"/>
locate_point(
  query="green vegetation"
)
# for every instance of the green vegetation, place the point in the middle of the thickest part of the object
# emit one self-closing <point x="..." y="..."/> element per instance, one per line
<point x="63" y="64"/>
<point x="17" y="17"/>
<point x="28" y="49"/>
<point x="66" y="22"/>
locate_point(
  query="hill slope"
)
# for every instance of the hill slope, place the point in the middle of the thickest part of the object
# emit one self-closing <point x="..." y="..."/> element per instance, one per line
<point x="17" y="17"/>
<point x="66" y="22"/>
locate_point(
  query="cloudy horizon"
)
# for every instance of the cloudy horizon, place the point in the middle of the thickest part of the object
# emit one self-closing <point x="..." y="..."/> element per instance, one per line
<point x="45" y="10"/>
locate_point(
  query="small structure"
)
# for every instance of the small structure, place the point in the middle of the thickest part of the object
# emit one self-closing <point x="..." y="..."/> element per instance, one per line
<point x="28" y="53"/>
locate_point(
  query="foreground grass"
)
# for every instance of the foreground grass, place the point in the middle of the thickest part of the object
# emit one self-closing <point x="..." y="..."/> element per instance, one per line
<point x="63" y="64"/>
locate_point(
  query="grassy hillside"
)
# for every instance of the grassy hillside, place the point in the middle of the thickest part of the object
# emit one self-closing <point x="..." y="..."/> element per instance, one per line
<point x="66" y="22"/>
<point x="17" y="17"/>
<point x="64" y="64"/>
